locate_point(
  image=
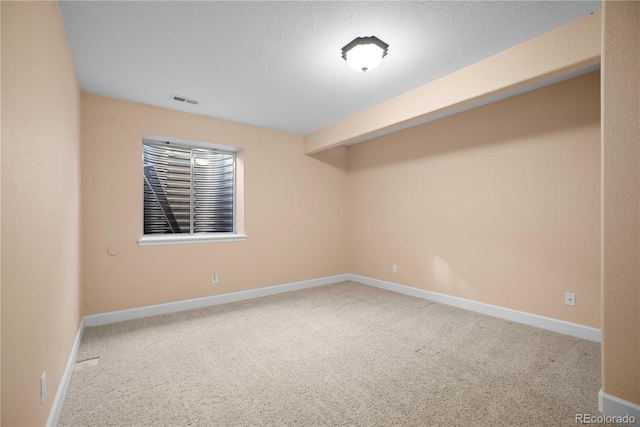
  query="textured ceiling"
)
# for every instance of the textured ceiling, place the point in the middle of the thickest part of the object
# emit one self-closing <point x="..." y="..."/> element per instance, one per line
<point x="278" y="65"/>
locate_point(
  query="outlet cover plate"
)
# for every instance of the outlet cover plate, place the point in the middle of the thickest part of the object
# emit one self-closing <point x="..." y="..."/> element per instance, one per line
<point x="43" y="386"/>
<point x="570" y="299"/>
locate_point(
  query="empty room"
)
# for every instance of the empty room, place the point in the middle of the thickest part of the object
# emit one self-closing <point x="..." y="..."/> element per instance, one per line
<point x="319" y="213"/>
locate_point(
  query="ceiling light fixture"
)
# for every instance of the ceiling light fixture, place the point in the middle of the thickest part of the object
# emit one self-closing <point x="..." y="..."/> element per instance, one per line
<point x="364" y="53"/>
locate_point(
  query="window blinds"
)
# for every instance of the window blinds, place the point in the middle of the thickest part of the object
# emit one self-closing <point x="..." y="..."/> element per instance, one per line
<point x="187" y="190"/>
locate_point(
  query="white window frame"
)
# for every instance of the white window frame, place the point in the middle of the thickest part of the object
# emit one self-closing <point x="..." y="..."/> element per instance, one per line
<point x="184" y="238"/>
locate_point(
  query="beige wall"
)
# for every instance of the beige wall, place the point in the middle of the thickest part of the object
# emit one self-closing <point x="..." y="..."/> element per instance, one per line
<point x="621" y="201"/>
<point x="0" y="223"/>
<point x="500" y="204"/>
<point x="295" y="211"/>
<point x="40" y="208"/>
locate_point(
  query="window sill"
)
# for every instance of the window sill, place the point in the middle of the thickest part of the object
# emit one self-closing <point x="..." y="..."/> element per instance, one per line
<point x="172" y="239"/>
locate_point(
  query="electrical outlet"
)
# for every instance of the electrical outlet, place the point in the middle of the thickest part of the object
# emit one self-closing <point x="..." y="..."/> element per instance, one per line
<point x="394" y="268"/>
<point x="570" y="298"/>
<point x="43" y="386"/>
<point x="214" y="278"/>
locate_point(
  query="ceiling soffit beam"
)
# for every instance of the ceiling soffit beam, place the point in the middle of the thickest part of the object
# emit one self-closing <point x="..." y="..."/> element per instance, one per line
<point x="564" y="51"/>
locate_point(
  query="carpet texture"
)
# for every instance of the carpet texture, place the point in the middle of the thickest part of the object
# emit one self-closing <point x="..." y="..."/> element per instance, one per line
<point x="342" y="354"/>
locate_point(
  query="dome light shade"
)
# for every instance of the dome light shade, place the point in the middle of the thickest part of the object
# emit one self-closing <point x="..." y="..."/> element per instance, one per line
<point x="364" y="53"/>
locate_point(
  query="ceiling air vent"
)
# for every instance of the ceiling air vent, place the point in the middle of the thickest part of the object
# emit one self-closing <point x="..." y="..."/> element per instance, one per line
<point x="181" y="98"/>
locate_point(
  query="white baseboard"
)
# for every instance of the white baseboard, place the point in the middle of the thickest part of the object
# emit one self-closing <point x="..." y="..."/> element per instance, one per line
<point x="612" y="406"/>
<point x="66" y="377"/>
<point x="580" y="331"/>
<point x="171" y="307"/>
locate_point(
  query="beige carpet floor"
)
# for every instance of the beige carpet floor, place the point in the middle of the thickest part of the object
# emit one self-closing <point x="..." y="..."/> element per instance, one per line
<point x="342" y="354"/>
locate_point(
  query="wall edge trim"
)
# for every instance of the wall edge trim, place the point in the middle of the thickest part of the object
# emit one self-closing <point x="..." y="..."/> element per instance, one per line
<point x="615" y="407"/>
<point x="190" y="304"/>
<point x="66" y="377"/>
<point x="560" y="326"/>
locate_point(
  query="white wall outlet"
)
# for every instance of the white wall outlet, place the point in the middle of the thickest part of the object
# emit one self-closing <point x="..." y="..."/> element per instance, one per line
<point x="394" y="268"/>
<point x="570" y="298"/>
<point x="214" y="278"/>
<point x="43" y="386"/>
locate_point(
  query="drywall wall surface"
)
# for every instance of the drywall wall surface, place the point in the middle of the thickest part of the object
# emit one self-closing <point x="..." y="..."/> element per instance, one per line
<point x="40" y="208"/>
<point x="572" y="47"/>
<point x="294" y="211"/>
<point x="499" y="204"/>
<point x="621" y="201"/>
<point x="0" y="222"/>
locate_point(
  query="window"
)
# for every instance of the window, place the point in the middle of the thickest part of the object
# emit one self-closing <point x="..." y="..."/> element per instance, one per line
<point x="189" y="193"/>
